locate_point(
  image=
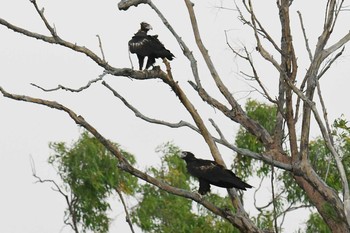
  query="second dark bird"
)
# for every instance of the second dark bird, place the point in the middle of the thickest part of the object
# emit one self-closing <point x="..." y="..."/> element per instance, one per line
<point x="148" y="46"/>
<point x="210" y="172"/>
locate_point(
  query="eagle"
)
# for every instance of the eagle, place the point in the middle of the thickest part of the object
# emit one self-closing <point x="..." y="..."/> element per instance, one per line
<point x="148" y="46"/>
<point x="210" y="172"/>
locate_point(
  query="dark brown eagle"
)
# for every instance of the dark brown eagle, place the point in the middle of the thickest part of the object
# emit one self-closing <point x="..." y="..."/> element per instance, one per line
<point x="148" y="46"/>
<point x="210" y="172"/>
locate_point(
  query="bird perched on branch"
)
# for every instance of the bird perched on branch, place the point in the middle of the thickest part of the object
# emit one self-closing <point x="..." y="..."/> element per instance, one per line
<point x="210" y="172"/>
<point x="148" y="46"/>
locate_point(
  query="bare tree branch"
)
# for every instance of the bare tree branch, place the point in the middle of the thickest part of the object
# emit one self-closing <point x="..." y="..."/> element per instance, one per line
<point x="326" y="137"/>
<point x="255" y="75"/>
<point x="260" y="48"/>
<point x="224" y="91"/>
<point x="125" y="4"/>
<point x="239" y="220"/>
<point x="325" y="114"/>
<point x="274" y="198"/>
<point x="144" y="75"/>
<point x="237" y="114"/>
<point x="41" y="14"/>
<point x="101" y="48"/>
<point x="268" y="158"/>
<point x="329" y="64"/>
<point x="57" y="40"/>
<point x="260" y="29"/>
<point x="128" y="220"/>
<point x="291" y="208"/>
<point x="337" y="45"/>
<point x="186" y="51"/>
<point x="71" y="89"/>
<point x="73" y="223"/>
<point x="148" y="119"/>
<point x="296" y="162"/>
<point x="305" y="37"/>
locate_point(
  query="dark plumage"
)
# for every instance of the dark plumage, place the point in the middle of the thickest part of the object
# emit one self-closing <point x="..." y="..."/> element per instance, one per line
<point x="148" y="46"/>
<point x="210" y="172"/>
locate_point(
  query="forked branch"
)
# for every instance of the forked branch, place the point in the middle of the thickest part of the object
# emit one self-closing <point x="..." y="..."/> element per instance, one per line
<point x="239" y="220"/>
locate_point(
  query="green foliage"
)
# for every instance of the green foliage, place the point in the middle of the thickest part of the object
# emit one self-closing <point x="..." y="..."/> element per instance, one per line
<point x="319" y="156"/>
<point x="323" y="163"/>
<point x="89" y="172"/>
<point x="322" y="160"/>
<point x="266" y="116"/>
<point x="159" y="211"/>
<point x="246" y="167"/>
<point x="90" y="175"/>
<point x="264" y="220"/>
<point x="294" y="194"/>
<point x="316" y="224"/>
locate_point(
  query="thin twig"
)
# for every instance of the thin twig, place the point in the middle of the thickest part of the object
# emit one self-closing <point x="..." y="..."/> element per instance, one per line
<point x="305" y="37"/>
<point x="290" y="209"/>
<point x="73" y="223"/>
<point x="325" y="114"/>
<point x="128" y="219"/>
<point x="274" y="198"/>
<point x="223" y="89"/>
<point x="101" y="48"/>
<point x="148" y="119"/>
<point x="259" y="29"/>
<point x="71" y="89"/>
<point x="329" y="64"/>
<point x="329" y="144"/>
<point x="264" y="157"/>
<point x="47" y="24"/>
<point x="222" y="137"/>
<point x="125" y="4"/>
<point x="239" y="220"/>
<point x="255" y="193"/>
<point x="186" y="51"/>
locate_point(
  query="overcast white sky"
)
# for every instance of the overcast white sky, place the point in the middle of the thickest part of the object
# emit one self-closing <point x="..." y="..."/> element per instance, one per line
<point x="26" y="129"/>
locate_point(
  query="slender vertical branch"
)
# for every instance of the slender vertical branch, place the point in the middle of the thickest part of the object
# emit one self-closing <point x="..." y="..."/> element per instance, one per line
<point x="41" y="14"/>
<point x="206" y="56"/>
<point x="239" y="220"/>
<point x="182" y="44"/>
<point x="73" y="223"/>
<point x="128" y="219"/>
<point x="274" y="200"/>
<point x="101" y="48"/>
<point x="325" y="114"/>
<point x="305" y="36"/>
<point x="195" y="115"/>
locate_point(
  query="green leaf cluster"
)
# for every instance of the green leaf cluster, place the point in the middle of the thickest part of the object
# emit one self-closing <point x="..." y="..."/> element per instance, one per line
<point x="319" y="157"/>
<point x="89" y="172"/>
<point x="246" y="167"/>
<point x="322" y="160"/>
<point x="159" y="211"/>
<point x="266" y="115"/>
<point x="90" y="175"/>
<point x="316" y="224"/>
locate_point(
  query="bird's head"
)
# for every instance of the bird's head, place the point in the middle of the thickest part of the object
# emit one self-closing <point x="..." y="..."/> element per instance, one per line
<point x="187" y="156"/>
<point x="145" y="27"/>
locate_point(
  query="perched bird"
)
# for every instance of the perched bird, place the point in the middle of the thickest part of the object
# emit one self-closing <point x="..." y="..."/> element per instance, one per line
<point x="148" y="46"/>
<point x="210" y="172"/>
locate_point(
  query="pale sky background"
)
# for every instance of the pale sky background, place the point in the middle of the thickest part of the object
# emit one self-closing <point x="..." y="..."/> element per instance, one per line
<point x="26" y="129"/>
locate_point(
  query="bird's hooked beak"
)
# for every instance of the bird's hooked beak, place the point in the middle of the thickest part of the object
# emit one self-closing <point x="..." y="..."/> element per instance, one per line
<point x="183" y="154"/>
<point x="145" y="26"/>
<point x="149" y="27"/>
